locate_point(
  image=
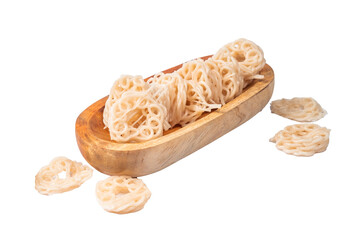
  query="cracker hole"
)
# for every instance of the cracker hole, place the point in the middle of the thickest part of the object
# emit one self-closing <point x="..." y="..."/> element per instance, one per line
<point x="62" y="175"/>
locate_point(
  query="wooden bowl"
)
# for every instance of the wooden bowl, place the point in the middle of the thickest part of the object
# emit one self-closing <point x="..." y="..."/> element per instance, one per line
<point x="139" y="159"/>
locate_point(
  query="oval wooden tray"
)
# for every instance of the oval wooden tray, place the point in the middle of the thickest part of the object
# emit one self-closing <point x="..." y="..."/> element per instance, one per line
<point x="139" y="159"/>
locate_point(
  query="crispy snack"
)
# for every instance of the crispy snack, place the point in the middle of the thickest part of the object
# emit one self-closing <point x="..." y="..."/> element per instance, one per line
<point x="122" y="194"/>
<point x="232" y="82"/>
<point x="136" y="116"/>
<point x="177" y="93"/>
<point x="298" y="109"/>
<point x="48" y="182"/>
<point x="199" y="90"/>
<point x="302" y="139"/>
<point x="249" y="56"/>
<point x="197" y="71"/>
<point x="180" y="97"/>
<point x="123" y="84"/>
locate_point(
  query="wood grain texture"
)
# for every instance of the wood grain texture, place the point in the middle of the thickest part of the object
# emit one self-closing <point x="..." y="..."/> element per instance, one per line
<point x="139" y="159"/>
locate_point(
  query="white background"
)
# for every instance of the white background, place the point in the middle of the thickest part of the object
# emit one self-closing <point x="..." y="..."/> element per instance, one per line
<point x="57" y="58"/>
